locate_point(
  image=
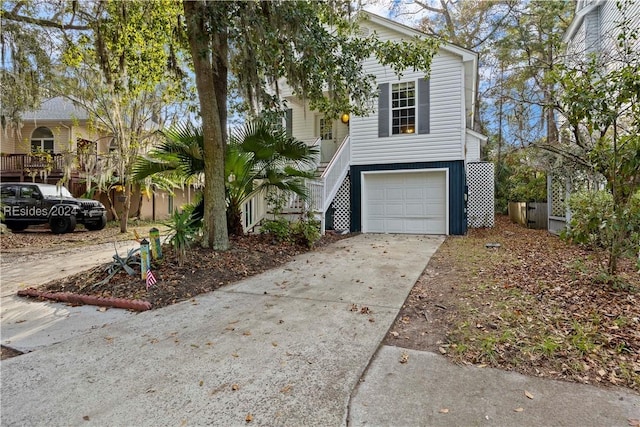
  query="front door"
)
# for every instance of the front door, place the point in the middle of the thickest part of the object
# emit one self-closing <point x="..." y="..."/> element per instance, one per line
<point x="325" y="130"/>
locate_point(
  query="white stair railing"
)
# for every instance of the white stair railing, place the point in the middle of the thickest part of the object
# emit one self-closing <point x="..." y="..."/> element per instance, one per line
<point x="335" y="172"/>
<point x="254" y="209"/>
<point x="321" y="191"/>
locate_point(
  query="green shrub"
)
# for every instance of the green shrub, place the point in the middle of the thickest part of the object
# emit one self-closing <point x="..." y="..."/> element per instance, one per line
<point x="279" y="228"/>
<point x="594" y="222"/>
<point x="181" y="233"/>
<point x="591" y="212"/>
<point x="306" y="231"/>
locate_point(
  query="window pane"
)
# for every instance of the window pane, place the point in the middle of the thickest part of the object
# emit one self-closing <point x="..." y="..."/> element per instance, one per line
<point x="403" y="108"/>
<point x="42" y="132"/>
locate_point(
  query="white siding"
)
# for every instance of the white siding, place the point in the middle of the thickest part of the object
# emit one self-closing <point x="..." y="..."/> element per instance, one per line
<point x="472" y="148"/>
<point x="596" y="28"/>
<point x="304" y="126"/>
<point x="446" y="139"/>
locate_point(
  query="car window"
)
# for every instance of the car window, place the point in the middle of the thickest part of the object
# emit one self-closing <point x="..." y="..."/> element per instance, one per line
<point x="56" y="191"/>
<point x="8" y="191"/>
<point x="28" y="192"/>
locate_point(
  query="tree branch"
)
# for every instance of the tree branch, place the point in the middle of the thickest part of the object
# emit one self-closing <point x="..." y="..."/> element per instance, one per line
<point x="13" y="16"/>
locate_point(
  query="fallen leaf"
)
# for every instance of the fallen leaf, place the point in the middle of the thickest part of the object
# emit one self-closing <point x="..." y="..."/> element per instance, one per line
<point x="235" y="387"/>
<point x="286" y="389"/>
<point x="275" y="344"/>
<point x="246" y="333"/>
<point x="235" y="354"/>
<point x="633" y="422"/>
<point x="404" y="358"/>
<point x="395" y="334"/>
<point x="86" y="418"/>
<point x="444" y="411"/>
<point x="442" y="350"/>
<point x="518" y="410"/>
<point x="201" y="383"/>
<point x="249" y="418"/>
<point x="529" y="395"/>
<point x="102" y="309"/>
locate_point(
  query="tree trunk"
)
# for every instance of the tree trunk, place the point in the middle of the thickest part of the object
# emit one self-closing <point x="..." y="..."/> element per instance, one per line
<point x="214" y="220"/>
<point x="234" y="221"/>
<point x="126" y="206"/>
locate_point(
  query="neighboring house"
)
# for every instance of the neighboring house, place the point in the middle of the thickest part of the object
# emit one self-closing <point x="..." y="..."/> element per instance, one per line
<point x="55" y="129"/>
<point x="59" y="128"/>
<point x="413" y="165"/>
<point x="595" y="30"/>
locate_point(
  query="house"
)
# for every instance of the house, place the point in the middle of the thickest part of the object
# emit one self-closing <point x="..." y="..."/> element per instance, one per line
<point x="596" y="26"/>
<point x="411" y="166"/>
<point x="62" y="130"/>
<point x="594" y="30"/>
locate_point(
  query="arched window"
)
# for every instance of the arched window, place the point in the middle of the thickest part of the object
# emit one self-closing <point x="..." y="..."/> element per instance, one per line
<point x="42" y="140"/>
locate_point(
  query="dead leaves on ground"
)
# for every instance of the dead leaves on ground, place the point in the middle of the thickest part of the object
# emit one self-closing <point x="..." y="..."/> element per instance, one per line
<point x="537" y="305"/>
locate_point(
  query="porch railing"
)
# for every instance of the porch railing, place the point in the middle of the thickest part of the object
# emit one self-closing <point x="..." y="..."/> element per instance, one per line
<point x="25" y="163"/>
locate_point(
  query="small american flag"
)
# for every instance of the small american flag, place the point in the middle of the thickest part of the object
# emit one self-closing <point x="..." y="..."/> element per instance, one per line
<point x="151" y="279"/>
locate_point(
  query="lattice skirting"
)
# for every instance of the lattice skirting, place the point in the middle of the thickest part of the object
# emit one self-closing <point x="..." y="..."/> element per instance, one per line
<point x="480" y="202"/>
<point x="341" y="206"/>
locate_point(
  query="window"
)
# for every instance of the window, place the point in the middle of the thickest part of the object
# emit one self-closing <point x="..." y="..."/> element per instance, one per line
<point x="403" y="108"/>
<point x="325" y="129"/>
<point x="28" y="192"/>
<point x="42" y="140"/>
<point x="9" y="191"/>
<point x="113" y="145"/>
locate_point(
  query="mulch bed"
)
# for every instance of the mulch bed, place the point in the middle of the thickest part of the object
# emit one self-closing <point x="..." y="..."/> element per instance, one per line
<point x="204" y="271"/>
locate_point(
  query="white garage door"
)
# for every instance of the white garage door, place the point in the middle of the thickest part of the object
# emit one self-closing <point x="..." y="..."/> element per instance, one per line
<point x="405" y="202"/>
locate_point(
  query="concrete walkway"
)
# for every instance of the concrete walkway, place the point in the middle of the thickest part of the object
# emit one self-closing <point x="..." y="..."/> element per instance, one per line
<point x="28" y="325"/>
<point x="295" y="346"/>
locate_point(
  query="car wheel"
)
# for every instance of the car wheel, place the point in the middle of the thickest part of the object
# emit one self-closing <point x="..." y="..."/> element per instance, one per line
<point x="98" y="225"/>
<point x="62" y="224"/>
<point x="16" y="226"/>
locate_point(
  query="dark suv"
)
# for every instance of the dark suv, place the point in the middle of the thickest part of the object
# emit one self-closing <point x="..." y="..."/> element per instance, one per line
<point x="25" y="204"/>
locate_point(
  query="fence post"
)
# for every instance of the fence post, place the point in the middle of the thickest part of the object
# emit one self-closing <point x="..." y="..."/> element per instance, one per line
<point x="156" y="248"/>
<point x="144" y="259"/>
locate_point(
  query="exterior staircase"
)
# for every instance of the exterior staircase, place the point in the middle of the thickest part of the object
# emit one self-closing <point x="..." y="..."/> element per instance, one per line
<point x="322" y="190"/>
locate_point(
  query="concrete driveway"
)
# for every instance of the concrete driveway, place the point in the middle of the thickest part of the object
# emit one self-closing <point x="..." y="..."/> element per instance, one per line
<point x="286" y="347"/>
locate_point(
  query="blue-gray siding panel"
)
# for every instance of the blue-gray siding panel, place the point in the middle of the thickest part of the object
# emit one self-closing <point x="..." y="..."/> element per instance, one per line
<point x="457" y="187"/>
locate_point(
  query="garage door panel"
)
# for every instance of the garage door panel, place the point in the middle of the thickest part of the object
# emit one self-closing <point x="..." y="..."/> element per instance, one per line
<point x="394" y="211"/>
<point x="405" y="202"/>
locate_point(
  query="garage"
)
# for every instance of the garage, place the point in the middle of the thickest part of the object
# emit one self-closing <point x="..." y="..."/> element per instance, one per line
<point x="412" y="202"/>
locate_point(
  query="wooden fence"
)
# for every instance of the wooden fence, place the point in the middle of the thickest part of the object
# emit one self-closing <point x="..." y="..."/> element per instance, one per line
<point x="529" y="214"/>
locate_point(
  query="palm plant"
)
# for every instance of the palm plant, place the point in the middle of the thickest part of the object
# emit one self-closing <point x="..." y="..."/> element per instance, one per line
<point x="260" y="155"/>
